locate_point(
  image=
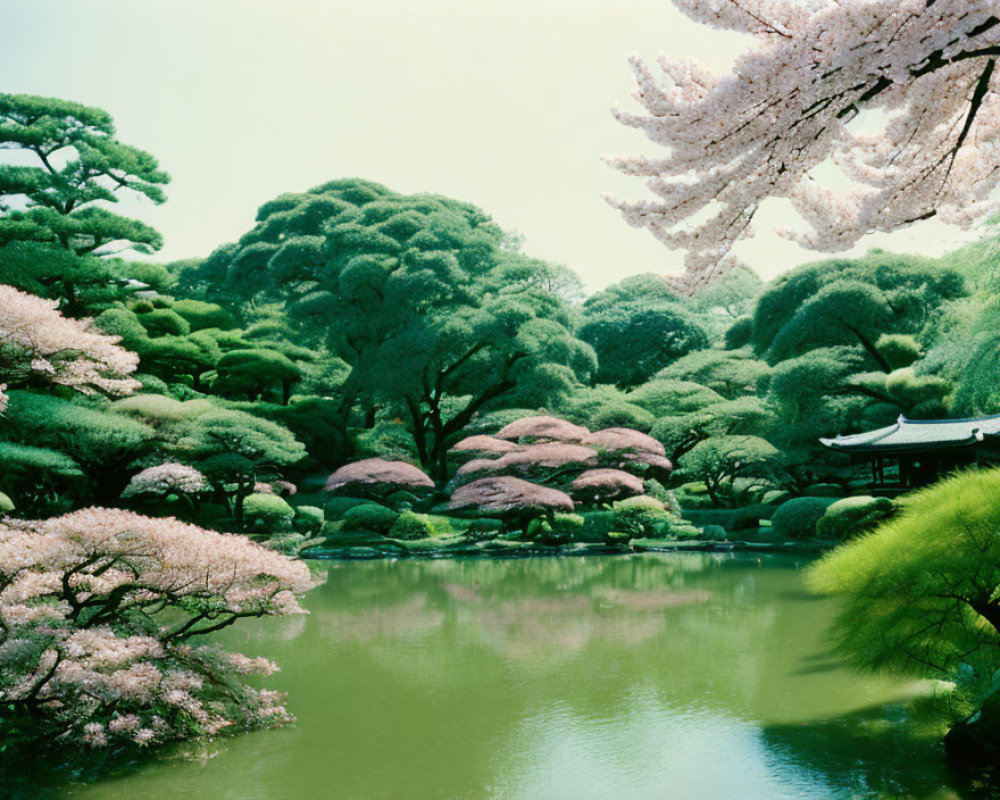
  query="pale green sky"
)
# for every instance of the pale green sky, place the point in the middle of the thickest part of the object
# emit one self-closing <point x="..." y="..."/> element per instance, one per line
<point x="503" y="104"/>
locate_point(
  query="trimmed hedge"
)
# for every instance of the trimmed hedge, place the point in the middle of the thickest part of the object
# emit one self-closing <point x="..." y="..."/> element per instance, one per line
<point x="309" y="518"/>
<point x="336" y="507"/>
<point x="852" y="515"/>
<point x="369" y="517"/>
<point x="267" y="510"/>
<point x="797" y="518"/>
<point x="640" y="516"/>
<point x="596" y="527"/>
<point x="746" y="518"/>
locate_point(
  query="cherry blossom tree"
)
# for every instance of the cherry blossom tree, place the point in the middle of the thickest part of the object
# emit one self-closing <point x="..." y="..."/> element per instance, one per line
<point x="169" y="478"/>
<point x="166" y="478"/>
<point x="99" y="614"/>
<point x="793" y="102"/>
<point x="39" y="345"/>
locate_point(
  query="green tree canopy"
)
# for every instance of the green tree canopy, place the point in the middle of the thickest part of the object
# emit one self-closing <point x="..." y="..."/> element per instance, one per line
<point x="66" y="172"/>
<point x="235" y="449"/>
<point x="78" y="164"/>
<point x="419" y="295"/>
<point x="733" y="374"/>
<point x="101" y="443"/>
<point x="851" y="302"/>
<point x="720" y="460"/>
<point x="637" y="327"/>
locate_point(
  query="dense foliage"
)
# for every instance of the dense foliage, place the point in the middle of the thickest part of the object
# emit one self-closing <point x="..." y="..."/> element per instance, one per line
<point x="371" y="372"/>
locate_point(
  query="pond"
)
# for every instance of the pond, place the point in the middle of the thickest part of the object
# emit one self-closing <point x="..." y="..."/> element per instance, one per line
<point x="656" y="676"/>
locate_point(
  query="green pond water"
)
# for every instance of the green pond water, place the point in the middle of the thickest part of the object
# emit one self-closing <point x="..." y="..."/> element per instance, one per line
<point x="655" y="676"/>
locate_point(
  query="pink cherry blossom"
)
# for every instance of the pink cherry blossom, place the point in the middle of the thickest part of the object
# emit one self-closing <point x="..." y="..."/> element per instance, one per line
<point x="100" y="610"/>
<point x="793" y="102"/>
<point x="39" y="342"/>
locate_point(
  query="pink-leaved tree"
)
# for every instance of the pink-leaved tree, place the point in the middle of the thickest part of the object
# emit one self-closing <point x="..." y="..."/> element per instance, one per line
<point x="38" y="345"/>
<point x="793" y="102"/>
<point x="102" y="614"/>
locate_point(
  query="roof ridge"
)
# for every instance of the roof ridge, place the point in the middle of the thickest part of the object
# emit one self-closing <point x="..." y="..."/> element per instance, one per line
<point x="909" y="421"/>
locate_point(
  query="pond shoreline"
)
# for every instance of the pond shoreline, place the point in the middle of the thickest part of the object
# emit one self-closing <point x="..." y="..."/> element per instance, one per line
<point x="506" y="550"/>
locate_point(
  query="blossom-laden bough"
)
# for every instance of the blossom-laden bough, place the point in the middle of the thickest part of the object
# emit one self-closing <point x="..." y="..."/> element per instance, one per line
<point x="787" y="107"/>
<point x="38" y="345"/>
<point x="99" y="610"/>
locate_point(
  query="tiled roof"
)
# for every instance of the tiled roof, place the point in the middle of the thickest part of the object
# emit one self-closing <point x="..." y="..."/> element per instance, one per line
<point x="915" y="434"/>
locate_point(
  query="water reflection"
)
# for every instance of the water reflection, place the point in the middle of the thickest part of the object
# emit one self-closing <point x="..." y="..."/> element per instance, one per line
<point x="656" y="676"/>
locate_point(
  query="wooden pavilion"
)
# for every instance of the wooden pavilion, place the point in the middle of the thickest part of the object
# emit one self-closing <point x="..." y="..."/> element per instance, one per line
<point x="915" y="452"/>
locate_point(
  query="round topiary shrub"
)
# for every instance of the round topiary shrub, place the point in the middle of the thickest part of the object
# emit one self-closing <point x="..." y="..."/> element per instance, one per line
<point x="774" y="497"/>
<point x="409" y="525"/>
<point x="369" y="517"/>
<point x="267" y="512"/>
<point x="640" y="516"/>
<point x="797" y="518"/>
<point x="336" y="507"/>
<point x="309" y="519"/>
<point x="714" y="533"/>
<point x="852" y="515"/>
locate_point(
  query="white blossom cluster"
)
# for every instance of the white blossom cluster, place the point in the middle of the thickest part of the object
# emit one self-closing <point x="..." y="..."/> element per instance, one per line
<point x="166" y="478"/>
<point x="786" y="108"/>
<point x="82" y="642"/>
<point x="37" y="342"/>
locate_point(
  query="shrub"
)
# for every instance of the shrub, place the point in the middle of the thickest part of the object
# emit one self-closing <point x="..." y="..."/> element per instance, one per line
<point x="201" y="315"/>
<point x="409" y="525"/>
<point x="677" y="529"/>
<point x="568" y="523"/>
<point x="309" y="519"/>
<point x="739" y="333"/>
<point x="715" y="532"/>
<point x="797" y="518"/>
<point x="622" y="414"/>
<point x="736" y="519"/>
<point x="596" y="526"/>
<point x="164" y="322"/>
<point x="853" y="515"/>
<point x="561" y="528"/>
<point x="267" y="511"/>
<point x="693" y="495"/>
<point x="774" y="497"/>
<point x="483" y="529"/>
<point x="6" y="504"/>
<point x="165" y="479"/>
<point x="336" y="507"/>
<point x="369" y="516"/>
<point x="640" y="516"/>
<point x="151" y="384"/>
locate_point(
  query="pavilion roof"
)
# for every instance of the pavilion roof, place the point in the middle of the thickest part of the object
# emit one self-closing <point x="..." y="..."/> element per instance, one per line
<point x="919" y="434"/>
